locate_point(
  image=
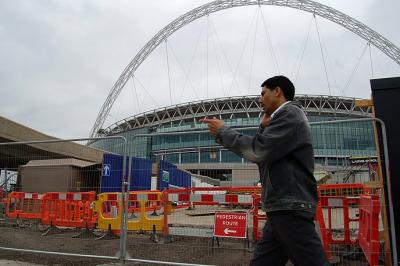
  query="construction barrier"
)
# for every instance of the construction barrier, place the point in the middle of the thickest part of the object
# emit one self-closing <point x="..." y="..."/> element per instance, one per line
<point x="342" y="207"/>
<point x="148" y="202"/>
<point x="23" y="205"/>
<point x="238" y="196"/>
<point x="108" y="208"/>
<point x="153" y="204"/>
<point x="82" y="210"/>
<point x="257" y="216"/>
<point x="319" y="216"/>
<point x="142" y="211"/>
<point x="231" y="196"/>
<point x="68" y="209"/>
<point x="341" y="190"/>
<point x="369" y="228"/>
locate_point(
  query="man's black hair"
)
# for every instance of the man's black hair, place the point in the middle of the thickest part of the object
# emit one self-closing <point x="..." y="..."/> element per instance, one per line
<point x="282" y="82"/>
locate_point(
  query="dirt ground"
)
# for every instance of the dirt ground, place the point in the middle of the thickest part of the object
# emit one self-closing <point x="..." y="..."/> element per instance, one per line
<point x="183" y="249"/>
<point x="139" y="246"/>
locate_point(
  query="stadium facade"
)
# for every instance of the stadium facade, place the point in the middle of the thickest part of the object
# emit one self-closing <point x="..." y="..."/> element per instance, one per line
<point x="334" y="144"/>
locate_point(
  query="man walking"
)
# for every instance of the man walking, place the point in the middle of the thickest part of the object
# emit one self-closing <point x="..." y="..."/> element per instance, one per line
<point x="283" y="151"/>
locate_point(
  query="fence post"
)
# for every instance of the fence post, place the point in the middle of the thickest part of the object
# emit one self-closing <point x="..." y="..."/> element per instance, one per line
<point x="124" y="213"/>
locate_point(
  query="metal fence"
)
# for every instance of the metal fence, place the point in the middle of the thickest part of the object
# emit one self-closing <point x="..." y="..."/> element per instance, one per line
<point x="48" y="210"/>
<point x="62" y="198"/>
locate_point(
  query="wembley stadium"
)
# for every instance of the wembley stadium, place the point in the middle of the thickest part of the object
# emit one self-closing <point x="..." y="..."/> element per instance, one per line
<point x="334" y="144"/>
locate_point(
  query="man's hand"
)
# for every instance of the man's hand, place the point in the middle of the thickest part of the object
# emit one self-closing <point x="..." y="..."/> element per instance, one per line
<point x="213" y="125"/>
<point x="265" y="120"/>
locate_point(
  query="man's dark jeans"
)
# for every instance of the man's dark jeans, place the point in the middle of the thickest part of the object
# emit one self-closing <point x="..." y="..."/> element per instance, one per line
<point x="289" y="235"/>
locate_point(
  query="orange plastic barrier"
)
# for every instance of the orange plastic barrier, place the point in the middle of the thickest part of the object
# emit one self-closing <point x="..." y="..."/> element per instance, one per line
<point x="68" y="209"/>
<point x="341" y="190"/>
<point x="342" y="205"/>
<point x="23" y="205"/>
<point x="257" y="217"/>
<point x="369" y="228"/>
<point x="319" y="216"/>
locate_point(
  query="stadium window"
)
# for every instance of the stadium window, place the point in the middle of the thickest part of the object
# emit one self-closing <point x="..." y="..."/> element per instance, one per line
<point x="190" y="157"/>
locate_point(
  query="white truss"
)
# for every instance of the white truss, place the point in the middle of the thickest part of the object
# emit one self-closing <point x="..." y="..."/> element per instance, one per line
<point x="233" y="107"/>
<point x="321" y="10"/>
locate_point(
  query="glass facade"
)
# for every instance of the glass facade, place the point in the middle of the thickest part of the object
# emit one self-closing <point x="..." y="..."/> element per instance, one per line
<point x="190" y="157"/>
<point x="333" y="143"/>
<point x="230" y="157"/>
<point x="210" y="156"/>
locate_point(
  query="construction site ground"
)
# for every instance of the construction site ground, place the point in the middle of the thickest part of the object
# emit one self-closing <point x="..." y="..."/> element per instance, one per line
<point x="141" y="245"/>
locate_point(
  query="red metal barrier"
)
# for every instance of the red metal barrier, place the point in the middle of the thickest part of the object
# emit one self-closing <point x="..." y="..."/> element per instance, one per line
<point x="23" y="205"/>
<point x="68" y="209"/>
<point x="369" y="228"/>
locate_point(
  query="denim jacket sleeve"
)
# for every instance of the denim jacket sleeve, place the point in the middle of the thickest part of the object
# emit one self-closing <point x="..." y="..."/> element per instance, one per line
<point x="268" y="145"/>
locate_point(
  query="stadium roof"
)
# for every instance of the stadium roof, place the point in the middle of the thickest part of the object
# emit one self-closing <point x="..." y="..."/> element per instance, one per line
<point x="233" y="107"/>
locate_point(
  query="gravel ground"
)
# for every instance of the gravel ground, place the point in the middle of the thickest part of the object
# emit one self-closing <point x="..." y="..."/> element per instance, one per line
<point x="181" y="249"/>
<point x="139" y="246"/>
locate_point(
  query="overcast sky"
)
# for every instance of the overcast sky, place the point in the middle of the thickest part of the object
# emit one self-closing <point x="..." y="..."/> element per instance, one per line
<point x="61" y="58"/>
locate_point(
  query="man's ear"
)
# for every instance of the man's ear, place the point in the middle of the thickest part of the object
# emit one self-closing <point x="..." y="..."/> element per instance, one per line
<point x="278" y="91"/>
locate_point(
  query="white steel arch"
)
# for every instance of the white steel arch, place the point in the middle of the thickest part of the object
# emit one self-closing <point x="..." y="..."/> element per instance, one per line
<point x="321" y="10"/>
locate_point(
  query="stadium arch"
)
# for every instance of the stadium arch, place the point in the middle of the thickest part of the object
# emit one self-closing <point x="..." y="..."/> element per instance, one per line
<point x="357" y="27"/>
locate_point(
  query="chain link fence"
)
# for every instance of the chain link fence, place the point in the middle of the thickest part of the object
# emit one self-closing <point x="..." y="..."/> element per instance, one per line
<point x="151" y="199"/>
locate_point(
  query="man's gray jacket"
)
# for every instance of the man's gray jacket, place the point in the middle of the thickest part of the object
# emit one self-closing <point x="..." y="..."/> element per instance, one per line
<point x="284" y="154"/>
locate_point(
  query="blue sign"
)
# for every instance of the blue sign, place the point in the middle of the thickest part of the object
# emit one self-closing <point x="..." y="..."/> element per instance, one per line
<point x="106" y="169"/>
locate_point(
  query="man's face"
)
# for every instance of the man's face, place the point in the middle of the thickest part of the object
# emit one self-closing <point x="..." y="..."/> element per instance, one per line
<point x="268" y="100"/>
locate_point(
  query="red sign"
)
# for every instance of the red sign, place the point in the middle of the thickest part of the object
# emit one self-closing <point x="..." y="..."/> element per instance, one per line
<point x="230" y="224"/>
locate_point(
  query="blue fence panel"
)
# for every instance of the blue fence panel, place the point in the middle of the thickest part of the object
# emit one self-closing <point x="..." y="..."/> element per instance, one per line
<point x="187" y="179"/>
<point x="140" y="174"/>
<point x="164" y="174"/>
<point x="174" y="179"/>
<point x="180" y="178"/>
<point x="111" y="177"/>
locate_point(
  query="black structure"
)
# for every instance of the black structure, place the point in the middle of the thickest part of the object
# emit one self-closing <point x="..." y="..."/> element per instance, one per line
<point x="386" y="96"/>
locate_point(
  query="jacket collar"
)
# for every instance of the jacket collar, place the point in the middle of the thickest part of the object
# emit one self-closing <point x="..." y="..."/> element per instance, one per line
<point x="279" y="108"/>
